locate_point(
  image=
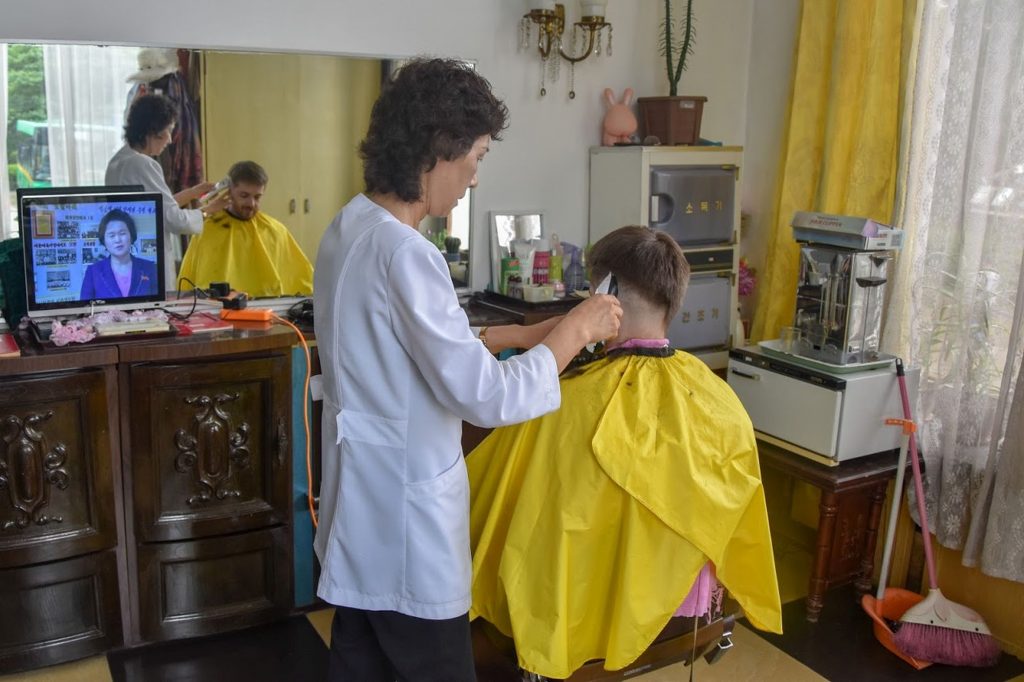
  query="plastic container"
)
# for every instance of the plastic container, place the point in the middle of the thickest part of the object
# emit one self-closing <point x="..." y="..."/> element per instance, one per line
<point x="538" y="293"/>
<point x="541" y="262"/>
<point x="574" y="276"/>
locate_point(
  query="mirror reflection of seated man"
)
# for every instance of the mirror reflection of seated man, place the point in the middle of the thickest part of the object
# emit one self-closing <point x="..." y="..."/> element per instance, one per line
<point x="246" y="247"/>
<point x="120" y="274"/>
<point x="593" y="526"/>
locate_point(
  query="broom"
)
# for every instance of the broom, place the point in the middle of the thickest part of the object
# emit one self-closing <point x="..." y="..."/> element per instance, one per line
<point x="937" y="629"/>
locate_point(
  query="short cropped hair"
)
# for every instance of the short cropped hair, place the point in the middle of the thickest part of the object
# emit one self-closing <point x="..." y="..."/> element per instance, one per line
<point x="431" y="109"/>
<point x="149" y="115"/>
<point x="647" y="261"/>
<point x="117" y="215"/>
<point x="249" y="172"/>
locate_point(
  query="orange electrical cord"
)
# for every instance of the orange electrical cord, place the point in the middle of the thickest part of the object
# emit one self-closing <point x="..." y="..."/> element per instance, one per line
<point x="305" y="418"/>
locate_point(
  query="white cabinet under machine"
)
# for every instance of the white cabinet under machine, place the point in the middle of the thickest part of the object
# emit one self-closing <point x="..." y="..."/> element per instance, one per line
<point x="691" y="193"/>
<point x="829" y="417"/>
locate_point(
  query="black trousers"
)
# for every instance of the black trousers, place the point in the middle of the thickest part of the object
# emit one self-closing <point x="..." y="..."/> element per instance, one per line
<point x="384" y="646"/>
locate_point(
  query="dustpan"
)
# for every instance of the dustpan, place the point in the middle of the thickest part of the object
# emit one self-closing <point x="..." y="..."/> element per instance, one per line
<point x="890" y="603"/>
<point x="891" y="607"/>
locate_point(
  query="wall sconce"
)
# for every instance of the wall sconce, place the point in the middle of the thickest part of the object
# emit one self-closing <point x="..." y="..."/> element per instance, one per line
<point x="585" y="39"/>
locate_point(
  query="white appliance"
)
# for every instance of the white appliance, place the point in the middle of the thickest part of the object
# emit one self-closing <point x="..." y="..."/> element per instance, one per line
<point x="827" y="416"/>
<point x="691" y="193"/>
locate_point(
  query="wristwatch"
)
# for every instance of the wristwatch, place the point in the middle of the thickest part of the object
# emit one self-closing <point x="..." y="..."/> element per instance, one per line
<point x="483" y="336"/>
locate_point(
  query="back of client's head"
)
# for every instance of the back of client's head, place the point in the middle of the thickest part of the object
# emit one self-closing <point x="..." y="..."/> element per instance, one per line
<point x="248" y="172"/>
<point x="649" y="267"/>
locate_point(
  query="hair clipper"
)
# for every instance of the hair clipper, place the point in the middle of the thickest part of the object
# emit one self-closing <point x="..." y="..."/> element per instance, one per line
<point x="609" y="285"/>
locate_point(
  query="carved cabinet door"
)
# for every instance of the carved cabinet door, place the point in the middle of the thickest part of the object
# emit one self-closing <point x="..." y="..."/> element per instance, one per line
<point x="210" y="447"/>
<point x="56" y="454"/>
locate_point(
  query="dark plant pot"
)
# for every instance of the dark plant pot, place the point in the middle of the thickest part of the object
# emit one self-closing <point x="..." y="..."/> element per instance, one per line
<point x="673" y="120"/>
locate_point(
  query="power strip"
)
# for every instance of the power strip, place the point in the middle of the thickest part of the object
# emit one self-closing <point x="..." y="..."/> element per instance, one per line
<point x="247" y="315"/>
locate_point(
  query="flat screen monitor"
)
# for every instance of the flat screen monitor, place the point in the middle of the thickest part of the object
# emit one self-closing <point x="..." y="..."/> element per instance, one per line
<point x="91" y="248"/>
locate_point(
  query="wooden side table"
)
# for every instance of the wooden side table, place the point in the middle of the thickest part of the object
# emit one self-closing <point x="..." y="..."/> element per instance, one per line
<point x="852" y="496"/>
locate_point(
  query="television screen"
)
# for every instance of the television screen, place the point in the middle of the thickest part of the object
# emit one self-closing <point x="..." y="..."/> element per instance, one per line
<point x="91" y="248"/>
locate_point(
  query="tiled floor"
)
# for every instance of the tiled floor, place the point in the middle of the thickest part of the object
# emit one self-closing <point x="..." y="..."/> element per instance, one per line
<point x="840" y="647"/>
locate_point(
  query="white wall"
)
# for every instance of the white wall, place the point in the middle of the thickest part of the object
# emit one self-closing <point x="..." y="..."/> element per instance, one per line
<point x="542" y="162"/>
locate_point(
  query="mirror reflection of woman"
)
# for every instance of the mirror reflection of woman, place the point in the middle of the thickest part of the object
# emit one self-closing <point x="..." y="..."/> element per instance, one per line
<point x="121" y="274"/>
<point x="147" y="132"/>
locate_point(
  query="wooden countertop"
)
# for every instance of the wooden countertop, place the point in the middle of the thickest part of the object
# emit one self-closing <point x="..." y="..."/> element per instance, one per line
<point x="244" y="337"/>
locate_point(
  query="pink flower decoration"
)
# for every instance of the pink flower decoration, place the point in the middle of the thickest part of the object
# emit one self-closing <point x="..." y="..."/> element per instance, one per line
<point x="747" y="278"/>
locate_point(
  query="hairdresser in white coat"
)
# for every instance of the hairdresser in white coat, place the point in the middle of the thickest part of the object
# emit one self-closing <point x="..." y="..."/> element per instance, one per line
<point x="147" y="132"/>
<point x="402" y="369"/>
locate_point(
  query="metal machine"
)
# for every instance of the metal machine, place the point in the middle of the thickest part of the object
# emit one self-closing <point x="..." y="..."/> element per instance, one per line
<point x="844" y="269"/>
<point x="839" y="303"/>
<point x="826" y="393"/>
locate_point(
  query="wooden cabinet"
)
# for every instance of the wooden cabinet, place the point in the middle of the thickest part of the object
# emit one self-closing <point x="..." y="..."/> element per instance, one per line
<point x="212" y="585"/>
<point x="144" y="493"/>
<point x="692" y="194"/>
<point x="211" y="444"/>
<point x="208" y="486"/>
<point x="58" y="480"/>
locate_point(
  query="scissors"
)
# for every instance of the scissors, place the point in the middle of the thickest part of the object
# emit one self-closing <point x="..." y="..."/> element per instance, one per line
<point x="609" y="285"/>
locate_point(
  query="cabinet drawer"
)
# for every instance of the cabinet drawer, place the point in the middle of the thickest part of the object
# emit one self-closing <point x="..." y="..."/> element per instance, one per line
<point x="58" y="611"/>
<point x="694" y="204"/>
<point x="704" y="321"/>
<point x="56" y="454"/>
<point x="787" y="408"/>
<point x="210" y="447"/>
<point x="213" y="585"/>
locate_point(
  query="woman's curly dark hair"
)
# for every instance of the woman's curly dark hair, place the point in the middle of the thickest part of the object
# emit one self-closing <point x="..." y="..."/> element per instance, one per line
<point x="431" y="109"/>
<point x="149" y="115"/>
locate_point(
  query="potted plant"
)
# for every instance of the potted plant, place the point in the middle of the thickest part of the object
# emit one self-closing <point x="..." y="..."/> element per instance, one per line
<point x="674" y="119"/>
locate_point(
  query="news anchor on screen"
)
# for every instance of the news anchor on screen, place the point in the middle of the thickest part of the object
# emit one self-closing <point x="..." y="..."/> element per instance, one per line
<point x="121" y="274"/>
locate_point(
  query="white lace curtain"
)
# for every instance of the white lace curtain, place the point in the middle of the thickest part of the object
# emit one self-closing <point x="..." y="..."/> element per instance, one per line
<point x="7" y="226"/>
<point x="86" y="94"/>
<point x="958" y="304"/>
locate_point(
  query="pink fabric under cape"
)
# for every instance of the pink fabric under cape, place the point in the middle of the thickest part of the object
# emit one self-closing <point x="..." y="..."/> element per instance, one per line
<point x="698" y="601"/>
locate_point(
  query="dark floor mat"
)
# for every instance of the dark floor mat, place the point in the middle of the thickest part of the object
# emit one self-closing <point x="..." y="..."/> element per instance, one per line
<point x="842" y="647"/>
<point x="288" y="650"/>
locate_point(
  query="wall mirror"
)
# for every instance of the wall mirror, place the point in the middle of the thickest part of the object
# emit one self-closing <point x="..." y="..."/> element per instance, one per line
<point x="508" y="227"/>
<point x="300" y="116"/>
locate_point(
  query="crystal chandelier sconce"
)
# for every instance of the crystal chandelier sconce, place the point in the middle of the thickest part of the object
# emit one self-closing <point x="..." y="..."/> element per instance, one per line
<point x="586" y="38"/>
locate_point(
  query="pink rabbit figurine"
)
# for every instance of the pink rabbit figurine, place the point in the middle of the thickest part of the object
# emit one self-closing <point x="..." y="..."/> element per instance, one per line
<point x="619" y="122"/>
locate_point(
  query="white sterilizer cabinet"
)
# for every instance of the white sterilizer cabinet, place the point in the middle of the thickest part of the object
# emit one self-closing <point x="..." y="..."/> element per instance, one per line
<point x="692" y="193"/>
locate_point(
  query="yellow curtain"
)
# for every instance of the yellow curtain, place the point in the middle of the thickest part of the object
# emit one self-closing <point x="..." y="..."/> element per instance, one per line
<point x="842" y="138"/>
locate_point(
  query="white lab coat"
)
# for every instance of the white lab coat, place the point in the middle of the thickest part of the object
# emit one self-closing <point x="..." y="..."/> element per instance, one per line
<point x="129" y="167"/>
<point x="401" y="370"/>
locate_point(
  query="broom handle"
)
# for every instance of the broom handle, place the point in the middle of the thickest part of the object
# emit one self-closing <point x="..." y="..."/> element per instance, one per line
<point x="933" y="583"/>
<point x="894" y="512"/>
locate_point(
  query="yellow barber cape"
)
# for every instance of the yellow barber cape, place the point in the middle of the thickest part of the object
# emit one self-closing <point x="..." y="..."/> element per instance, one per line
<point x="589" y="525"/>
<point x="258" y="256"/>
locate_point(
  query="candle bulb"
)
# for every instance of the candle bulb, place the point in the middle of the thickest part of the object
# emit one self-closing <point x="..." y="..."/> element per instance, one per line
<point x="546" y="5"/>
<point x="593" y="8"/>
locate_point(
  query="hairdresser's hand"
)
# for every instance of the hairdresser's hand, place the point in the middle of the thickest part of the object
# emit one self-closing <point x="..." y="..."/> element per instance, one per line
<point x="218" y="203"/>
<point x="187" y="196"/>
<point x="596" y="319"/>
<point x="201" y="189"/>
